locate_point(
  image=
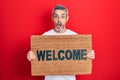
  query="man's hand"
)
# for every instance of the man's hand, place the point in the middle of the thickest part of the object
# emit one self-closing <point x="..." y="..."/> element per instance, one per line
<point x="91" y="54"/>
<point x="30" y="55"/>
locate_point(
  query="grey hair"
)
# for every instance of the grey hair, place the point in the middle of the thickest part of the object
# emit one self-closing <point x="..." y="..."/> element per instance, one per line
<point x="59" y="7"/>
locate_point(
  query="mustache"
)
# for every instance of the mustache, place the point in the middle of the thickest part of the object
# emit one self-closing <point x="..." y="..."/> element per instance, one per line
<point x="59" y="23"/>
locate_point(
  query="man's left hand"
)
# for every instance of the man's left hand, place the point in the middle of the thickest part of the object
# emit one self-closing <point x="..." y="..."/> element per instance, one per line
<point x="91" y="54"/>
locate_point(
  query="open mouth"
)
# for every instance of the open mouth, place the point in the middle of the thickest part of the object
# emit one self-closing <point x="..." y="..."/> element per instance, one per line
<point x="59" y="25"/>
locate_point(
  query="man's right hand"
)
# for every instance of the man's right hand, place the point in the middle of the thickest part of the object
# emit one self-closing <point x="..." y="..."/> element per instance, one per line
<point x="30" y="55"/>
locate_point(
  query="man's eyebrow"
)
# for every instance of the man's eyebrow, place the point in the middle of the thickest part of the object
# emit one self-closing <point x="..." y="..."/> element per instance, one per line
<point x="63" y="14"/>
<point x="55" y="14"/>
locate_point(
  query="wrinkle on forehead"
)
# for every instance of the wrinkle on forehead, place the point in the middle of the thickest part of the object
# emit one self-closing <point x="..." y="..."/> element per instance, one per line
<point x="60" y="12"/>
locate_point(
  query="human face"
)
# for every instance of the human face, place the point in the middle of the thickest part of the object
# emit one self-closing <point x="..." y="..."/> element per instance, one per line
<point x="60" y="18"/>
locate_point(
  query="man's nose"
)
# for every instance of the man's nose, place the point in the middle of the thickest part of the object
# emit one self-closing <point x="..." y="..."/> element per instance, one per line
<point x="59" y="19"/>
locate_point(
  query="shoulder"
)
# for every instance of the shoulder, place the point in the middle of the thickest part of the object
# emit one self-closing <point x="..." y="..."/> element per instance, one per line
<point x="71" y="32"/>
<point x="49" y="32"/>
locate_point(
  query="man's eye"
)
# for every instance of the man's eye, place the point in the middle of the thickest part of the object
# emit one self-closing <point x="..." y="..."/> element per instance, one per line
<point x="55" y="16"/>
<point x="63" y="16"/>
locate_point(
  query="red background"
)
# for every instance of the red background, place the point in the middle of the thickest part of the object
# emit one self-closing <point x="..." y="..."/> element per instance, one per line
<point x="19" y="19"/>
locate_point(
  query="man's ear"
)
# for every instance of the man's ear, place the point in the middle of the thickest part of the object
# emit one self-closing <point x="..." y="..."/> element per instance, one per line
<point x="52" y="17"/>
<point x="67" y="18"/>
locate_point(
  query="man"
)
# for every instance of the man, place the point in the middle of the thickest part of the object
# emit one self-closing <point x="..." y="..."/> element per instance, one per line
<point x="59" y="17"/>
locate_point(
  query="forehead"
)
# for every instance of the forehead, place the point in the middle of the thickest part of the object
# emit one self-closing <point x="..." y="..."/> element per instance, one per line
<point x="59" y="12"/>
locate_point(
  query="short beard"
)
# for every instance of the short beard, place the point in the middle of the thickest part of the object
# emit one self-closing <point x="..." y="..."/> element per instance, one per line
<point x="60" y="24"/>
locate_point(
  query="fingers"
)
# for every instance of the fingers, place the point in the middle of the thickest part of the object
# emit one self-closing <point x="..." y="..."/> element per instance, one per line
<point x="91" y="54"/>
<point x="30" y="55"/>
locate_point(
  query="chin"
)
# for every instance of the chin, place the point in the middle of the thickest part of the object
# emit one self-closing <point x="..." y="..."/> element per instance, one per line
<point x="58" y="30"/>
